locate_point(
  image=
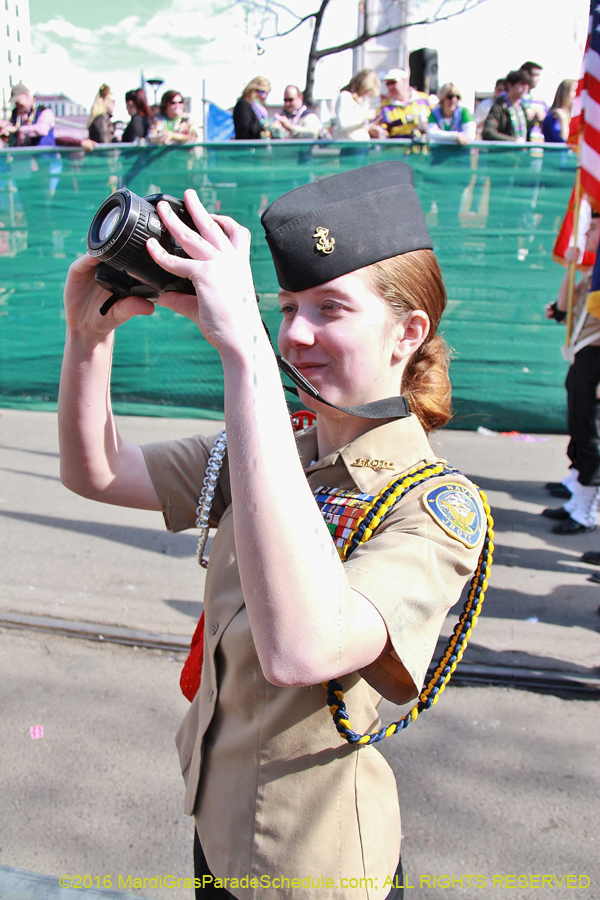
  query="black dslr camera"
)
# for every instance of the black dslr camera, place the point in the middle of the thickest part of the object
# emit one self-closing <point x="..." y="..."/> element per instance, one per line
<point x="118" y="236"/>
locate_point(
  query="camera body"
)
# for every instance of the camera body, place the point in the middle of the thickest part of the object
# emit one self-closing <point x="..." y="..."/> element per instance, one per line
<point x="118" y="236"/>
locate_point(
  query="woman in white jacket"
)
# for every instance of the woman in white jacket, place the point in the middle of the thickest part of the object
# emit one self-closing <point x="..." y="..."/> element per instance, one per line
<point x="352" y="108"/>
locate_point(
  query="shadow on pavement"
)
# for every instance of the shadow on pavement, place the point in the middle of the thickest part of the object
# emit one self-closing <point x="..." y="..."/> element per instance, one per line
<point x="475" y="653"/>
<point x="191" y="608"/>
<point x="54" y="454"/>
<point x="30" y="474"/>
<point x="565" y="605"/>
<point x="178" y="545"/>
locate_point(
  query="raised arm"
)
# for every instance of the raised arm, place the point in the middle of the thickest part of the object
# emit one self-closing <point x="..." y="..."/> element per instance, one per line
<point x="95" y="462"/>
<point x="308" y="625"/>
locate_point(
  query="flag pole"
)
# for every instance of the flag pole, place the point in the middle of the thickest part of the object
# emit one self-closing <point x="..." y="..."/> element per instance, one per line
<point x="573" y="264"/>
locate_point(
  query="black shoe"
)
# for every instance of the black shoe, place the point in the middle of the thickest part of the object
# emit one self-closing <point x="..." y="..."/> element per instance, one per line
<point x="559" y="513"/>
<point x="560" y="492"/>
<point x="592" y="557"/>
<point x="552" y="485"/>
<point x="570" y="526"/>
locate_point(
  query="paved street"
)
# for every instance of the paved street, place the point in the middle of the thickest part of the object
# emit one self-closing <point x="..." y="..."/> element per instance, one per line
<point x="493" y="781"/>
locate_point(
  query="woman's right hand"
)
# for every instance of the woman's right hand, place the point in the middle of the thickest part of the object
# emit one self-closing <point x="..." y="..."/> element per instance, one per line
<point x="83" y="298"/>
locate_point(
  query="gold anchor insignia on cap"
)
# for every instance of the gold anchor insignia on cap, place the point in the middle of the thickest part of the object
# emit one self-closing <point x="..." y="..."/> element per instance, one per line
<point x="324" y="244"/>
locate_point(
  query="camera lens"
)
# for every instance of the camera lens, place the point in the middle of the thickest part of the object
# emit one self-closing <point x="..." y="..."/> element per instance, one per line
<point x="109" y="224"/>
<point x="118" y="236"/>
<point x="118" y="229"/>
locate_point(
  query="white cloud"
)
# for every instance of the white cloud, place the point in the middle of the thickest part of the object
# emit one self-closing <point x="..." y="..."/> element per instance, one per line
<point x="185" y="43"/>
<point x="64" y="29"/>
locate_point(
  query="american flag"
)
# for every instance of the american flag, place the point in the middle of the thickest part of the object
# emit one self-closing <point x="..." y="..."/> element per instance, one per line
<point x="566" y="235"/>
<point x="585" y="115"/>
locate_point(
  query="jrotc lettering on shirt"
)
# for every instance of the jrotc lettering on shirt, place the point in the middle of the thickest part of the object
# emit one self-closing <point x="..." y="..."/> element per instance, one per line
<point x="364" y="463"/>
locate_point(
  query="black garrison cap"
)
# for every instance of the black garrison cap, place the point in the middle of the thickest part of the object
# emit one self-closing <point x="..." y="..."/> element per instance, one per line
<point x="330" y="227"/>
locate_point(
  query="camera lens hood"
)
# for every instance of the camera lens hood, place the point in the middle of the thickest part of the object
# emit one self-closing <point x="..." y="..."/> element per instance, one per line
<point x="127" y="237"/>
<point x="117" y="238"/>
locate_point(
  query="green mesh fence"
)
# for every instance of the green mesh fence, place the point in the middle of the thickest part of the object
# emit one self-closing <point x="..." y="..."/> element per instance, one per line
<point x="493" y="213"/>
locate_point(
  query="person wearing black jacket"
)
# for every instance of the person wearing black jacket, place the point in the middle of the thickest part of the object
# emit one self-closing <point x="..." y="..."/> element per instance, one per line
<point x="141" y="117"/>
<point x="507" y="119"/>
<point x="101" y="128"/>
<point x="250" y="118"/>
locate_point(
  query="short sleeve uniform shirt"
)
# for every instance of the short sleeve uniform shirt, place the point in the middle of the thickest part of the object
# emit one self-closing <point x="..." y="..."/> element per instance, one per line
<point x="276" y="793"/>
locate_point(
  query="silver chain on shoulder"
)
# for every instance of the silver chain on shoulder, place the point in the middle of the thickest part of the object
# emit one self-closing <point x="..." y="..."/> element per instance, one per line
<point x="209" y="486"/>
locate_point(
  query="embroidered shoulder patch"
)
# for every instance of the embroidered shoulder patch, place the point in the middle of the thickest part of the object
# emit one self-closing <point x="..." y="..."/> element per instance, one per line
<point x="455" y="508"/>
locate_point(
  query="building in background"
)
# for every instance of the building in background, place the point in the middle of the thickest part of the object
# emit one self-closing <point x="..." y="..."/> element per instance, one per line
<point x="15" y="46"/>
<point x="388" y="51"/>
<point x="62" y="106"/>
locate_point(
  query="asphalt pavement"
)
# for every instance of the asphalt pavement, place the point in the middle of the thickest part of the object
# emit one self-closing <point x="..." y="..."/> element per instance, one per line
<point x="495" y="781"/>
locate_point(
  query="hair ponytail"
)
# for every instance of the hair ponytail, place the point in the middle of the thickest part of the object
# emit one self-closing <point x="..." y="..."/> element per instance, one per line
<point x="426" y="384"/>
<point x="413" y="281"/>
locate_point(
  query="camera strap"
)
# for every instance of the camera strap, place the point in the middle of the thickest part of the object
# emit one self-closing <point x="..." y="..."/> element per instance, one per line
<point x="389" y="408"/>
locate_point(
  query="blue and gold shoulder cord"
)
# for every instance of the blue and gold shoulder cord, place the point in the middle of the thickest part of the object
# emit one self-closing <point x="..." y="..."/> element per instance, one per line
<point x="452" y="655"/>
<point x="363" y="526"/>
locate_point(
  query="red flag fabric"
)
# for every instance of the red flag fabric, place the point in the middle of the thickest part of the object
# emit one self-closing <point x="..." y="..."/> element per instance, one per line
<point x="565" y="235"/>
<point x="584" y="130"/>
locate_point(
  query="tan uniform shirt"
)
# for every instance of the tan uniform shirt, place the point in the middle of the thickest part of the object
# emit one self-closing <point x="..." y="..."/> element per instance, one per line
<point x="585" y="331"/>
<point x="275" y="791"/>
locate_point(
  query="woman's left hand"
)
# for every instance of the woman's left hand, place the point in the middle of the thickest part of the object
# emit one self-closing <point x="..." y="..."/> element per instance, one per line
<point x="225" y="307"/>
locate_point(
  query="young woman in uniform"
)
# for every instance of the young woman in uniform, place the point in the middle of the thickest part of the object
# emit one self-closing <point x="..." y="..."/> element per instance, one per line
<point x="278" y="797"/>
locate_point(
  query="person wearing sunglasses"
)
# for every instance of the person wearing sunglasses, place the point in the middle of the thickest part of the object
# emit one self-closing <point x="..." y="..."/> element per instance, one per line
<point x="172" y="125"/>
<point x="449" y="122"/>
<point x="250" y="115"/>
<point x="404" y="113"/>
<point x="296" y="120"/>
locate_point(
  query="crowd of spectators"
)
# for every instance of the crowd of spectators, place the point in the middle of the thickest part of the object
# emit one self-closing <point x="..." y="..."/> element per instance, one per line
<point x="32" y="124"/>
<point x="370" y="107"/>
<point x="366" y="108"/>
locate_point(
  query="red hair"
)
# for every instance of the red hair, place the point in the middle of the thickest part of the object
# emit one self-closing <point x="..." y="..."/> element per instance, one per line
<point x="408" y="282"/>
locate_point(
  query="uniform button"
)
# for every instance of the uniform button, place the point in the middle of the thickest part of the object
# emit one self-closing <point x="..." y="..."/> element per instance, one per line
<point x="211" y="695"/>
<point x="215" y="628"/>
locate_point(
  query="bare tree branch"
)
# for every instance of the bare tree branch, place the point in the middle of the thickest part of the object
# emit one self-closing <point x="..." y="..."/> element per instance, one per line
<point x="268" y="37"/>
<point x="366" y="36"/>
<point x="270" y="10"/>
